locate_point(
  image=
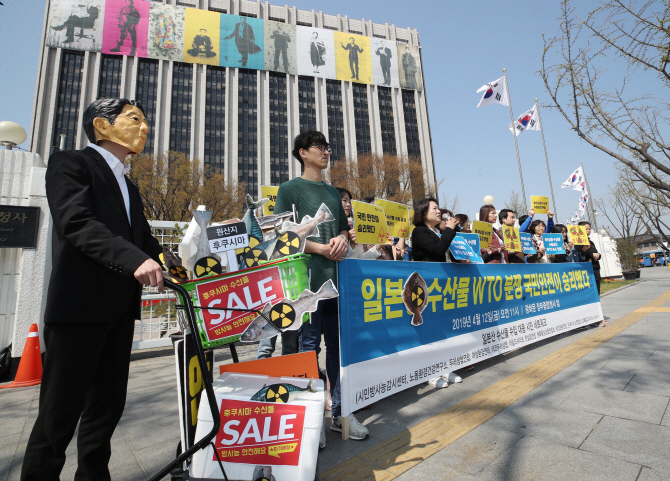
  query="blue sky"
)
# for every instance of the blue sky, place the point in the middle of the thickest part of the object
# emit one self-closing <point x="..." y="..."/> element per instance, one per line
<point x="465" y="44"/>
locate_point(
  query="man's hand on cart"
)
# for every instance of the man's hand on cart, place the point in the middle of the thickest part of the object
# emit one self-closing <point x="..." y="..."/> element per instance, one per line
<point x="150" y="274"/>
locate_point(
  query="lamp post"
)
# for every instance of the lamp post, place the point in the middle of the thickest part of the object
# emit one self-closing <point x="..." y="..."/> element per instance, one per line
<point x="11" y="134"/>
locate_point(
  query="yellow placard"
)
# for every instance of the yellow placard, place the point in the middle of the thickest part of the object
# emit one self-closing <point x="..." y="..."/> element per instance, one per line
<point x="201" y="36"/>
<point x="352" y="58"/>
<point x="370" y="223"/>
<point x="396" y="217"/>
<point x="269" y="192"/>
<point x="410" y="218"/>
<point x="539" y="203"/>
<point x="577" y="234"/>
<point x="485" y="231"/>
<point x="512" y="238"/>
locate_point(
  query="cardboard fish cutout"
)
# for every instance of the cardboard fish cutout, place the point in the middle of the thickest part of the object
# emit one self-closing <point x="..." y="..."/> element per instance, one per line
<point x="415" y="297"/>
<point x="281" y="393"/>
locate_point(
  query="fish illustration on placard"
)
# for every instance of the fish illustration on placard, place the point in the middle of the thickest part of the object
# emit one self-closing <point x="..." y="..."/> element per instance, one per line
<point x="414" y="295"/>
<point x="250" y="219"/>
<point x="202" y="218"/>
<point x="268" y="221"/>
<point x="281" y="393"/>
<point x="173" y="265"/>
<point x="308" y="225"/>
<point x="263" y="473"/>
<point x="287" y="314"/>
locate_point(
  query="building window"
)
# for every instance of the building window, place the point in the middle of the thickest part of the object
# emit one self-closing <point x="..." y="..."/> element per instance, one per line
<point x="304" y="24"/>
<point x="110" y="76"/>
<point x="180" y="117"/>
<point x="275" y="19"/>
<point x="247" y="131"/>
<point x="335" y="119"/>
<point x="356" y="32"/>
<point x="147" y="91"/>
<point x="412" y="134"/>
<point x="218" y="10"/>
<point x="279" y="147"/>
<point x="386" y="120"/>
<point x="249" y="15"/>
<point x="215" y="117"/>
<point x="361" y="118"/>
<point x="330" y="28"/>
<point x="378" y="36"/>
<point x="67" y="102"/>
<point x="307" y="101"/>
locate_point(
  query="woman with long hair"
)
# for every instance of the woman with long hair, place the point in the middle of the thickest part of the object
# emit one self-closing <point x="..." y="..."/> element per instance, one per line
<point x="495" y="253"/>
<point x="571" y="254"/>
<point x="537" y="228"/>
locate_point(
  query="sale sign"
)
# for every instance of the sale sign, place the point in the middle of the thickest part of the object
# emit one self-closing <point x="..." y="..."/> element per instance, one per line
<point x="267" y="434"/>
<point x="251" y="290"/>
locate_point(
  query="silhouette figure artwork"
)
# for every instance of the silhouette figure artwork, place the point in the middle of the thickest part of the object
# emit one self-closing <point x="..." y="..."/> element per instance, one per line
<point x="281" y="41"/>
<point x="202" y="46"/>
<point x="410" y="69"/>
<point x="76" y="22"/>
<point x="354" y="50"/>
<point x="245" y="40"/>
<point x="385" y="56"/>
<point x="317" y="52"/>
<point x="128" y="19"/>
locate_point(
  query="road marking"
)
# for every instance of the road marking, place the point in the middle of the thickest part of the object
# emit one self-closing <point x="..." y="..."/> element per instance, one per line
<point x="394" y="456"/>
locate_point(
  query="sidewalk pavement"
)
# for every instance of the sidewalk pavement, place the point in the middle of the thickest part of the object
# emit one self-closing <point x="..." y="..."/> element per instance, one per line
<point x="602" y="417"/>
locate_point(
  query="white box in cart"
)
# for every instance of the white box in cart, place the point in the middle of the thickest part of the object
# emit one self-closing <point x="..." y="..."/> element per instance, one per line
<point x="284" y="436"/>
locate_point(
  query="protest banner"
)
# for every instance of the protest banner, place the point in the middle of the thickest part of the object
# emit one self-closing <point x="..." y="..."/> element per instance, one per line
<point x="396" y="218"/>
<point x="553" y="243"/>
<point x="539" y="203"/>
<point x="269" y="192"/>
<point x="369" y="223"/>
<point x="527" y="243"/>
<point x="461" y="314"/>
<point x="473" y="242"/>
<point x="485" y="232"/>
<point x="410" y="216"/>
<point x="577" y="235"/>
<point x="462" y="251"/>
<point x="511" y="237"/>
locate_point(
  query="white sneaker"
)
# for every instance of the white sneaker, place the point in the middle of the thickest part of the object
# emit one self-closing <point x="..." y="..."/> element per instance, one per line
<point x="356" y="430"/>
<point x="322" y="438"/>
<point x="452" y="377"/>
<point x="438" y="382"/>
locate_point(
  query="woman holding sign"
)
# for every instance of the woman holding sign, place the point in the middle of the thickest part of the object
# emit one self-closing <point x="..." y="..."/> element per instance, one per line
<point x="495" y="253"/>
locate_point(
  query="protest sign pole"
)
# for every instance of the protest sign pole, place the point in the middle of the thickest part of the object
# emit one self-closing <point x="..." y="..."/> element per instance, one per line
<point x="546" y="159"/>
<point x="516" y="146"/>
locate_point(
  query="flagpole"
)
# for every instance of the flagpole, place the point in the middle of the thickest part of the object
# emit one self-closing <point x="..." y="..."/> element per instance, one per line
<point x="590" y="201"/>
<point x="546" y="159"/>
<point x="516" y="146"/>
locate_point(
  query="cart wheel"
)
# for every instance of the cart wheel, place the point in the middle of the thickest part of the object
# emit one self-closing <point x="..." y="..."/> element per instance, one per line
<point x="288" y="244"/>
<point x="178" y="472"/>
<point x="207" y="266"/>
<point x="282" y="315"/>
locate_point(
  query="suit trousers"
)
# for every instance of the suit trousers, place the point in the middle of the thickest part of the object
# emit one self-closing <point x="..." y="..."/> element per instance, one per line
<point x="84" y="381"/>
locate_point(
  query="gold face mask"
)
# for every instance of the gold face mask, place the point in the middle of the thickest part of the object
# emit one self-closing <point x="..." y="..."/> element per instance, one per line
<point x="129" y="129"/>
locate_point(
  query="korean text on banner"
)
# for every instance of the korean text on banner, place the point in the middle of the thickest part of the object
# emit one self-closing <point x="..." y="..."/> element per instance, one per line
<point x="396" y="218"/>
<point x="512" y="240"/>
<point x="473" y="242"/>
<point x="527" y="243"/>
<point x="578" y="236"/>
<point x="466" y="313"/>
<point x="269" y="192"/>
<point x="252" y="290"/>
<point x="370" y="223"/>
<point x="553" y="243"/>
<point x="485" y="232"/>
<point x="267" y="434"/>
<point x="462" y="251"/>
<point x="539" y="203"/>
<point x="410" y="216"/>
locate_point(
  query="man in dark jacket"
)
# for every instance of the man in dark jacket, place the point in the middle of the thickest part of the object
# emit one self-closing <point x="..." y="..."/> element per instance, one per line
<point x="591" y="254"/>
<point x="104" y="253"/>
<point x="245" y="40"/>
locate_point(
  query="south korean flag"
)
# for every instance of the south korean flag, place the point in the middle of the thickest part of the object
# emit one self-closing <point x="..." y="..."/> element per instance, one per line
<point x="576" y="180"/>
<point x="494" y="93"/>
<point x="529" y="120"/>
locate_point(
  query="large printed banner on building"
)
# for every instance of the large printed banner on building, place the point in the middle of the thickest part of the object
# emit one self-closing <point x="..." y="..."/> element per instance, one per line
<point x="403" y="326"/>
<point x="169" y="32"/>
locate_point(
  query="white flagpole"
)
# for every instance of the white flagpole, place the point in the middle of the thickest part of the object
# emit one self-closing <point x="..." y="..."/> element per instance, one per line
<point x="516" y="146"/>
<point x="589" y="205"/>
<point x="546" y="159"/>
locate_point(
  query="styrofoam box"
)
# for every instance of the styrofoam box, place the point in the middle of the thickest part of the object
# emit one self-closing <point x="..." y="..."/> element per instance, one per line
<point x="241" y="387"/>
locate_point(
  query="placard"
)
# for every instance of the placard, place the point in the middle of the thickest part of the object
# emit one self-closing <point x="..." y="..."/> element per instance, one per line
<point x="512" y="240"/>
<point x="553" y="243"/>
<point x="462" y="251"/>
<point x="485" y="232"/>
<point x="410" y="216"/>
<point x="527" y="243"/>
<point x="539" y="203"/>
<point x="396" y="218"/>
<point x="577" y="235"/>
<point x="370" y="223"/>
<point x="227" y="237"/>
<point x="269" y="192"/>
<point x="472" y="240"/>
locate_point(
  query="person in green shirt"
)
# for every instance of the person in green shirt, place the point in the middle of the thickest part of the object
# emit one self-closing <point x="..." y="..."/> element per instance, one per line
<point x="304" y="195"/>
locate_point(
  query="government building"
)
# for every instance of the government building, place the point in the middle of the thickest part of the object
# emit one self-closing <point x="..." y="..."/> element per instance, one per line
<point x="232" y="82"/>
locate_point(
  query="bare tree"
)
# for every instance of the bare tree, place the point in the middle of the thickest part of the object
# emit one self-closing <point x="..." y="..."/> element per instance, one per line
<point x="631" y="128"/>
<point x="515" y="203"/>
<point x="451" y="203"/>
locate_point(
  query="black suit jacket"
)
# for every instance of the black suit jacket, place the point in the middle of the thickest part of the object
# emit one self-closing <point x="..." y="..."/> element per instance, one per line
<point x="427" y="246"/>
<point x="96" y="250"/>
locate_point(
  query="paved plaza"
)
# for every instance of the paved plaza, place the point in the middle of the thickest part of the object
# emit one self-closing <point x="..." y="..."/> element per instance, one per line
<point x="585" y="405"/>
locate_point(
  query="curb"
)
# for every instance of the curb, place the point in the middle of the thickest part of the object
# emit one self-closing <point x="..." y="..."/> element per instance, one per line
<point x="619" y="289"/>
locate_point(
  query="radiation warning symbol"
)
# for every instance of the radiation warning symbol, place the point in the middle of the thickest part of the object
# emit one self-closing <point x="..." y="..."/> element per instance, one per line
<point x="253" y="257"/>
<point x="282" y="315"/>
<point x="262" y="478"/>
<point x="277" y="393"/>
<point x="207" y="266"/>
<point x="288" y="244"/>
<point x="418" y="296"/>
<point x="179" y="272"/>
<point x="253" y="242"/>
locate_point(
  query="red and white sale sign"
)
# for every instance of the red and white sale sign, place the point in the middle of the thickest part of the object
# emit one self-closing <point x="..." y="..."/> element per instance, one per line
<point x="268" y="434"/>
<point x="252" y="290"/>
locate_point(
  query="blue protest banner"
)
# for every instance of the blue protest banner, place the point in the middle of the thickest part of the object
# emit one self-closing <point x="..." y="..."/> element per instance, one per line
<point x="553" y="243"/>
<point x="462" y="251"/>
<point x="406" y="323"/>
<point x="472" y="240"/>
<point x="527" y="243"/>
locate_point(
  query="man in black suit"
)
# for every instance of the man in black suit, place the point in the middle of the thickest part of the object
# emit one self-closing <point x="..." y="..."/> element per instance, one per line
<point x="354" y="50"/>
<point x="245" y="40"/>
<point x="105" y="253"/>
<point x="202" y="45"/>
<point x="385" y="56"/>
